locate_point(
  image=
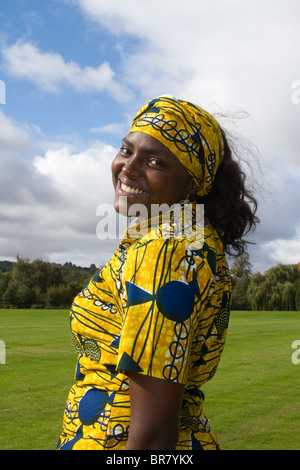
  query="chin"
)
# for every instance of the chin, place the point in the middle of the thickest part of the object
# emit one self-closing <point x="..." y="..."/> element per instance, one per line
<point x="121" y="206"/>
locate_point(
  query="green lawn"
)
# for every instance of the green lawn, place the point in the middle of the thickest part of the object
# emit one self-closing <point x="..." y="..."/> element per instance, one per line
<point x="254" y="399"/>
<point x="253" y="402"/>
<point x="39" y="370"/>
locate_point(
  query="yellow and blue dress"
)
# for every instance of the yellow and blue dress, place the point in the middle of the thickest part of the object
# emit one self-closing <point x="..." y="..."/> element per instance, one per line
<point x="159" y="307"/>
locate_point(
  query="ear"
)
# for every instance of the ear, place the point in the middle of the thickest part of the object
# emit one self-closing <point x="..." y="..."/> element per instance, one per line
<point x="192" y="189"/>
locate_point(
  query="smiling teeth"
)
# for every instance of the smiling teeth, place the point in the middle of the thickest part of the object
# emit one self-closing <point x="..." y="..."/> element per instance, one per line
<point x="128" y="189"/>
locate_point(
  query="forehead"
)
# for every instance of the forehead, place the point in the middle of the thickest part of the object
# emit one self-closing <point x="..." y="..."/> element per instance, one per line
<point x="148" y="143"/>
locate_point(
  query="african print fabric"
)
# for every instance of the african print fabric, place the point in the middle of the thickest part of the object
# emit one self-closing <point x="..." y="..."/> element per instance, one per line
<point x="159" y="307"/>
<point x="189" y="132"/>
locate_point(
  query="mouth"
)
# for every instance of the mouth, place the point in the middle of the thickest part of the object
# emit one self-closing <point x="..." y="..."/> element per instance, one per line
<point x="130" y="189"/>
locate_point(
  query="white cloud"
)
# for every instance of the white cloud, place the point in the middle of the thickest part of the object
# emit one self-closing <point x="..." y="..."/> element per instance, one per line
<point x="50" y="71"/>
<point x="230" y="54"/>
<point x="13" y="138"/>
<point x="284" y="252"/>
<point x="18" y="178"/>
<point x="114" y="128"/>
<point x="48" y="202"/>
<point x="224" y="55"/>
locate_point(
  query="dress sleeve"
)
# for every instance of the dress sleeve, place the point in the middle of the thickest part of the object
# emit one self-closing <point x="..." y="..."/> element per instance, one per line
<point x="160" y="310"/>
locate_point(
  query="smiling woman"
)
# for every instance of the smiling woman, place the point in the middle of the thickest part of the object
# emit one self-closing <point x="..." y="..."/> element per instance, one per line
<point x="146" y="172"/>
<point x="150" y="327"/>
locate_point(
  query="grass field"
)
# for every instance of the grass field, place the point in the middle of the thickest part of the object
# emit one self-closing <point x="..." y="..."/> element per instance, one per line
<point x="253" y="402"/>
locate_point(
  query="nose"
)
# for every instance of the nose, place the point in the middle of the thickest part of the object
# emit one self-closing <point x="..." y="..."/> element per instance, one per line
<point x="132" y="167"/>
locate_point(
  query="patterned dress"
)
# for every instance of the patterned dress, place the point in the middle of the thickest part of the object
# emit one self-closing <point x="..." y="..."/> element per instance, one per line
<point x="159" y="307"/>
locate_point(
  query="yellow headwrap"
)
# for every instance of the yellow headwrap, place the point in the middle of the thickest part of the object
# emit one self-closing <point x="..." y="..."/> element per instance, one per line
<point x="189" y="132"/>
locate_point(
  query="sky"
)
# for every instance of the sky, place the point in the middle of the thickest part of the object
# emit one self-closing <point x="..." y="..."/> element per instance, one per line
<point x="73" y="73"/>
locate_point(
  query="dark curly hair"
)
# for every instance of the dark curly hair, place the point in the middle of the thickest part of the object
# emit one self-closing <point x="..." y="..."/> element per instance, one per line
<point x="230" y="206"/>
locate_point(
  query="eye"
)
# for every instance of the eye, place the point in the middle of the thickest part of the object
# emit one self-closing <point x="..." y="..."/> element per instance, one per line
<point x="124" y="150"/>
<point x="156" y="163"/>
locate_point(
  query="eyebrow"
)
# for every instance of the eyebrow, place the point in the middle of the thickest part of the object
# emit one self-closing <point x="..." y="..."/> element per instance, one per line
<point x="126" y="141"/>
<point x="146" y="150"/>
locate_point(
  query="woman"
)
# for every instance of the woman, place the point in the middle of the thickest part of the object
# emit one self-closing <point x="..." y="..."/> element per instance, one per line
<point x="150" y="328"/>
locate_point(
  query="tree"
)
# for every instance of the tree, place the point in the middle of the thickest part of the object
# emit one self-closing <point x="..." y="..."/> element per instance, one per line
<point x="240" y="272"/>
<point x="275" y="289"/>
<point x="255" y="291"/>
<point x="297" y="296"/>
<point x="21" y="272"/>
<point x="239" y="295"/>
<point x="76" y="280"/>
<point x="25" y="297"/>
<point x="241" y="267"/>
<point x="55" y="277"/>
<point x="282" y="273"/>
<point x="288" y="293"/>
<point x="39" y="274"/>
<point x="59" y="296"/>
<point x="9" y="296"/>
<point x="4" y="281"/>
<point x="280" y="290"/>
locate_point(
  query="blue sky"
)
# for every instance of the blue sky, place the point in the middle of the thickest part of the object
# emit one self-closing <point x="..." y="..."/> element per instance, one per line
<point x="59" y="28"/>
<point x="75" y="73"/>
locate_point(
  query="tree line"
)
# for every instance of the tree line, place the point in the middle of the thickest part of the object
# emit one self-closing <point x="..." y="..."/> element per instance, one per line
<point x="278" y="288"/>
<point x="40" y="284"/>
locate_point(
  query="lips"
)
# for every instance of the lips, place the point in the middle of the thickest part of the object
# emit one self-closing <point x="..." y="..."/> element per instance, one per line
<point x="130" y="189"/>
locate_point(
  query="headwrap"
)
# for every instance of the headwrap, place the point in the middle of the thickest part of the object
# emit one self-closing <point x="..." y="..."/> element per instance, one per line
<point x="189" y="132"/>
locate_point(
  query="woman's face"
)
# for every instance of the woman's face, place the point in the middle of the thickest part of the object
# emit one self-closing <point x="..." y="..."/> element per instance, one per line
<point x="146" y="172"/>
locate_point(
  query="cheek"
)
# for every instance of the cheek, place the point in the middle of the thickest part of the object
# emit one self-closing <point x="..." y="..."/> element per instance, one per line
<point x="178" y="187"/>
<point x="163" y="190"/>
<point x="115" y="168"/>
